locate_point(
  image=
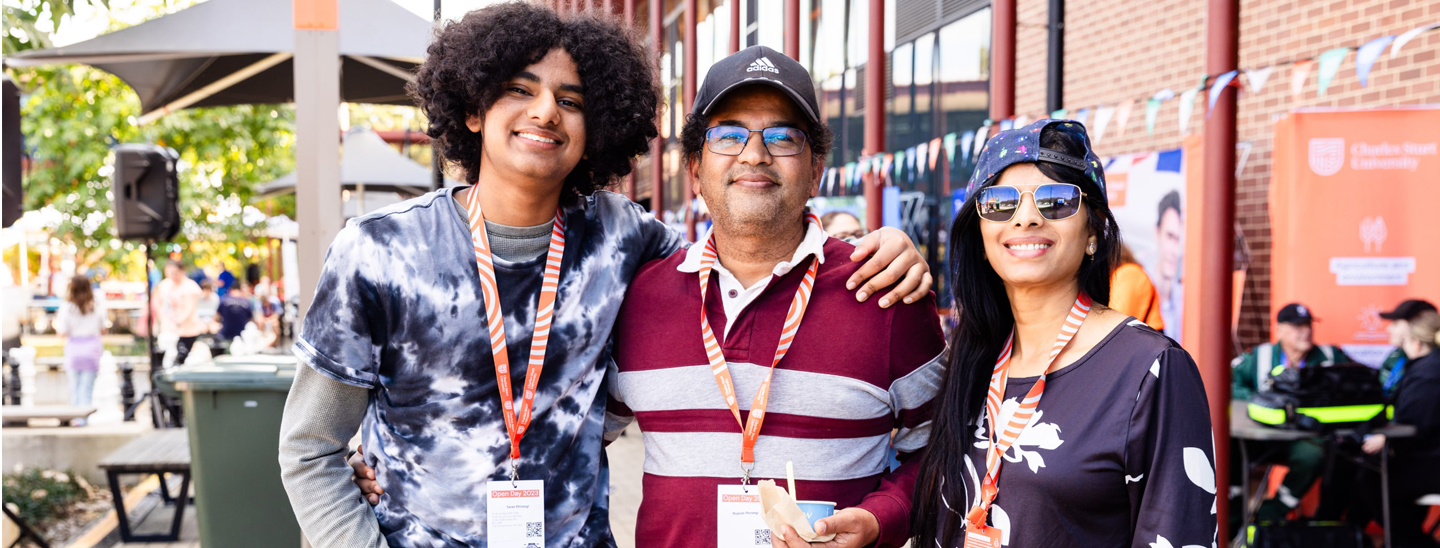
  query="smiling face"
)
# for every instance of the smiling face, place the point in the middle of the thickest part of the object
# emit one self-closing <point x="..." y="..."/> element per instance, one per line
<point x="749" y="193"/>
<point x="534" y="134"/>
<point x="1030" y="250"/>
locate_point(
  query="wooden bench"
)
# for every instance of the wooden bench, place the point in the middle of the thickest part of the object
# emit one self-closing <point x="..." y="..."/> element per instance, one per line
<point x="21" y="415"/>
<point x="161" y="452"/>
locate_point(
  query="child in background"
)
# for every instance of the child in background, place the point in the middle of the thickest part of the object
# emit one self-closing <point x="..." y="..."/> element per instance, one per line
<point x="80" y="322"/>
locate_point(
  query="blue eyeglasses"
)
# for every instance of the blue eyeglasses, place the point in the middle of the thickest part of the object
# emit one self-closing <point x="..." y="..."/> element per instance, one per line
<point x="731" y="140"/>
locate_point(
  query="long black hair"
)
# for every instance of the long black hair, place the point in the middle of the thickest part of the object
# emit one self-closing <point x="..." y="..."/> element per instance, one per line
<point x="984" y="322"/>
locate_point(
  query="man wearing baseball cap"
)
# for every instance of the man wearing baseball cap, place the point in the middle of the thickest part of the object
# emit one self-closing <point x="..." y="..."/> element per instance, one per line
<point x="1394" y="365"/>
<point x="1255" y="371"/>
<point x="753" y="322"/>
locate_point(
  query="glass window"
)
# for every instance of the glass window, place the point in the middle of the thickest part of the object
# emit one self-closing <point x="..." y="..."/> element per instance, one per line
<point x="966" y="44"/>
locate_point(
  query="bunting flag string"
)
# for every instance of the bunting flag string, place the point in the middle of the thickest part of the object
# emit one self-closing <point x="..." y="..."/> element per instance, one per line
<point x="914" y="161"/>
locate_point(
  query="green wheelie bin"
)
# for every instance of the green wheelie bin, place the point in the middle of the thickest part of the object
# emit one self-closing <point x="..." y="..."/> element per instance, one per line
<point x="233" y="407"/>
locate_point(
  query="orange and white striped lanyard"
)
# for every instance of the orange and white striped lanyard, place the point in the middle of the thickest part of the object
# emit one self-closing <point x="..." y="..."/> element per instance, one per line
<point x="544" y="313"/>
<point x="718" y="367"/>
<point x="1002" y="439"/>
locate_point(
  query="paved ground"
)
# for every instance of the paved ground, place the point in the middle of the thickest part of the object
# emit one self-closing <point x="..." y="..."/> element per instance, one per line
<point x="627" y="458"/>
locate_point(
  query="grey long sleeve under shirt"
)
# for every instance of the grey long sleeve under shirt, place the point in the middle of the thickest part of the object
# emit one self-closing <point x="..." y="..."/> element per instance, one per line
<point x="322" y="415"/>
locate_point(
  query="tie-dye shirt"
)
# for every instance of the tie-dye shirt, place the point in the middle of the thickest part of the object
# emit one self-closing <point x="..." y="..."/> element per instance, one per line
<point x="398" y="311"/>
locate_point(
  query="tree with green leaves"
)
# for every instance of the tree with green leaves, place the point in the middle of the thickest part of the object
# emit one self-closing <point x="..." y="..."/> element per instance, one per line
<point x="72" y="116"/>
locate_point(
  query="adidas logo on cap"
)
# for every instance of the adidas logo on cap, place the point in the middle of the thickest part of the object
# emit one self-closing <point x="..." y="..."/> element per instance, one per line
<point x="762" y="64"/>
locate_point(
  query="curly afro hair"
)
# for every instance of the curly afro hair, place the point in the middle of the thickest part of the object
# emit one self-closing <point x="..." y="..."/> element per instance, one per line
<point x="472" y="58"/>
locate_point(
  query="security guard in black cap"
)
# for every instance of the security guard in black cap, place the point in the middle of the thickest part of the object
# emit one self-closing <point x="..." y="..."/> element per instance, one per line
<point x="1255" y="371"/>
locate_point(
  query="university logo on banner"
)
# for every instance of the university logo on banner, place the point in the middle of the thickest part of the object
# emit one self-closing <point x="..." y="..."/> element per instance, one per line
<point x="1327" y="155"/>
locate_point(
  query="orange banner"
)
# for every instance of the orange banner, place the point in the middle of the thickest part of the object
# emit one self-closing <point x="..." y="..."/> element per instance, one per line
<point x="1354" y="216"/>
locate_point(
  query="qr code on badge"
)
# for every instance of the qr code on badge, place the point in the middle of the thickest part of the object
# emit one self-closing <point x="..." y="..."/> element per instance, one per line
<point x="532" y="529"/>
<point x="762" y="537"/>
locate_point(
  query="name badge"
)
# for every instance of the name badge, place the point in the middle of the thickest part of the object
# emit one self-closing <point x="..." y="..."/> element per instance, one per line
<point x="739" y="523"/>
<point x="988" y="538"/>
<point x="515" y="514"/>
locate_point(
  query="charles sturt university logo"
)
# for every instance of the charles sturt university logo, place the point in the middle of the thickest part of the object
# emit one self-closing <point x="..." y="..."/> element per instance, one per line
<point x="764" y="64"/>
<point x="1327" y="155"/>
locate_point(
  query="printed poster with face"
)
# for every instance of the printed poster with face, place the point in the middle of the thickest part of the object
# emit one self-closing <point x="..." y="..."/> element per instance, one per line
<point x="1147" y="197"/>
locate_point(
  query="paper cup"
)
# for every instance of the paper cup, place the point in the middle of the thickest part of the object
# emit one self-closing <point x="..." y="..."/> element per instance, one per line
<point x="816" y="510"/>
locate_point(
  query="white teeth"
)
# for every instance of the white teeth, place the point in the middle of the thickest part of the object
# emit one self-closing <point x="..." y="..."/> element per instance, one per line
<point x="1029" y="247"/>
<point x="537" y="138"/>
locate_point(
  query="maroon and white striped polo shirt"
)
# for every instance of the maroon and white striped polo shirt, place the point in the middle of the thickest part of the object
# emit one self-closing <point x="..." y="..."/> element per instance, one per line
<point x="855" y="374"/>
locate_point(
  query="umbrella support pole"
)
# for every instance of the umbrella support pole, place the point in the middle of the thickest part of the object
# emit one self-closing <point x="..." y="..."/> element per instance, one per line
<point x="215" y="87"/>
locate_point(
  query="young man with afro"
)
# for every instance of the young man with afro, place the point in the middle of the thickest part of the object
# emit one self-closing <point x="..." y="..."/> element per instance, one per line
<point x="466" y="332"/>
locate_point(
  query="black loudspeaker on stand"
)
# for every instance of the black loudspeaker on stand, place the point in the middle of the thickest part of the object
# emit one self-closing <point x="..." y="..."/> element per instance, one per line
<point x="146" y="187"/>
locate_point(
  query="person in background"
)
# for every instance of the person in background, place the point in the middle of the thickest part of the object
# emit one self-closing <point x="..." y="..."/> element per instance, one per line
<point x="841" y="225"/>
<point x="226" y="279"/>
<point x="178" y="299"/>
<point x="1415" y="460"/>
<point x="267" y="309"/>
<point x="209" y="302"/>
<point x="234" y="313"/>
<point x="1132" y="293"/>
<point x="1394" y="366"/>
<point x="1254" y="372"/>
<point x="80" y="322"/>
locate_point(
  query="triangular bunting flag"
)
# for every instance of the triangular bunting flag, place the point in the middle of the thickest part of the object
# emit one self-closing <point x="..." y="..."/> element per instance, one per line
<point x="1006" y="124"/>
<point x="1298" y="74"/>
<point x="1365" y="58"/>
<point x="1215" y="90"/>
<point x="966" y="142"/>
<point x="1164" y="95"/>
<point x="1122" y="116"/>
<point x="1187" y="107"/>
<point x="922" y="151"/>
<point x="899" y="164"/>
<point x="1152" y="111"/>
<point x="885" y="169"/>
<point x="950" y="147"/>
<point x="1329" y="66"/>
<point x="934" y="151"/>
<point x="1409" y="35"/>
<point x="1102" y="120"/>
<point x="1060" y="114"/>
<point x="980" y="136"/>
<point x="1258" y="77"/>
<point x="1022" y="121"/>
<point x="1083" y="116"/>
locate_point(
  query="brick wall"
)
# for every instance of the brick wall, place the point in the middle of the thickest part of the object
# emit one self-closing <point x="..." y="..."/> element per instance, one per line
<point x="1118" y="50"/>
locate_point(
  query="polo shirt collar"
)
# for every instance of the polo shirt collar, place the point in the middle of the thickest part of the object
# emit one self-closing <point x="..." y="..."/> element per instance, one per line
<point x="812" y="244"/>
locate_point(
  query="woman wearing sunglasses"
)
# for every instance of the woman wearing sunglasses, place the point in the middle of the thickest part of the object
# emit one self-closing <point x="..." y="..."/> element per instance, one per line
<point x="1060" y="422"/>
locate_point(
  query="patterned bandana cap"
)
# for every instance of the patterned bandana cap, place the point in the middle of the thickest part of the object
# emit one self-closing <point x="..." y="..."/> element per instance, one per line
<point x="1022" y="144"/>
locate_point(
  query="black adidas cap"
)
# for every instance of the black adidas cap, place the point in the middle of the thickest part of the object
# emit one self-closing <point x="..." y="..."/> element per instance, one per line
<point x="757" y="65"/>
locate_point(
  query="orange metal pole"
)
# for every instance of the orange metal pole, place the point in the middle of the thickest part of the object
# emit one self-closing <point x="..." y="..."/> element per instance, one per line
<point x="735" y="25"/>
<point x="1002" y="62"/>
